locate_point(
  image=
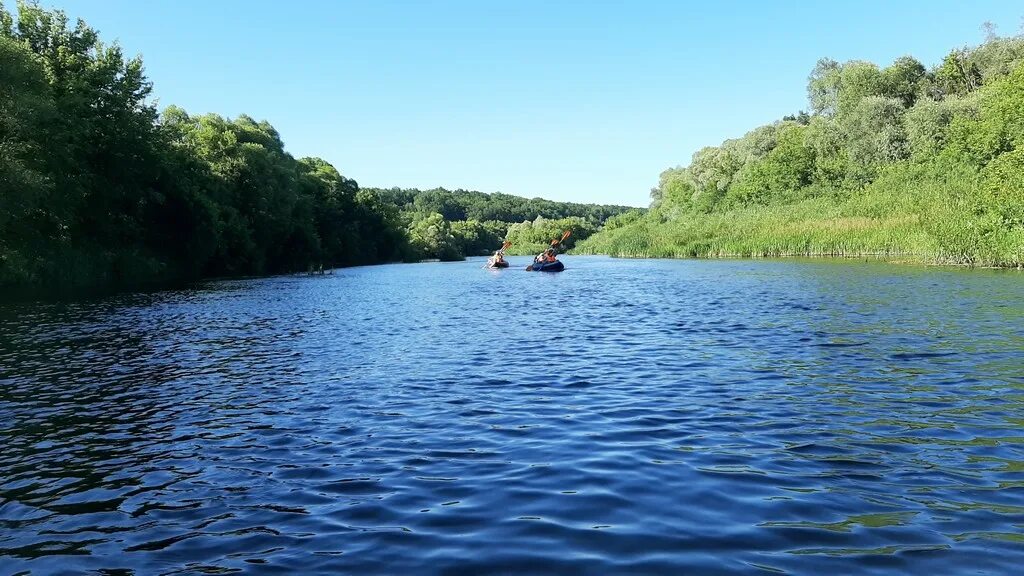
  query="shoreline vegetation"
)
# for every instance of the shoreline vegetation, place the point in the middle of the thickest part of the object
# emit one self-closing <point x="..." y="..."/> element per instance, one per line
<point x="100" y="191"/>
<point x="902" y="162"/>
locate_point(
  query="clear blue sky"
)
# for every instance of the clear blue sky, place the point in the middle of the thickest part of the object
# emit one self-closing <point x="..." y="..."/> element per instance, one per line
<point x="582" y="101"/>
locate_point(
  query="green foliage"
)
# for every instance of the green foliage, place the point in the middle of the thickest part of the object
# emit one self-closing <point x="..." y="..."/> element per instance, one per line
<point x="478" y="238"/>
<point x="432" y="237"/>
<point x="84" y="200"/>
<point x="874" y="135"/>
<point x="712" y="169"/>
<point x="624" y="219"/>
<point x="831" y="160"/>
<point x="533" y="237"/>
<point x="957" y="75"/>
<point x="455" y="205"/>
<point x="996" y="58"/>
<point x="927" y="123"/>
<point x="1003" y="189"/>
<point x="677" y="187"/>
<point x="904" y="80"/>
<point x="786" y="168"/>
<point x="26" y="106"/>
<point x="998" y="125"/>
<point x="96" y="190"/>
<point x="900" y="161"/>
<point x="477" y="223"/>
<point x="823" y="87"/>
<point x="440" y="202"/>
<point x="857" y="81"/>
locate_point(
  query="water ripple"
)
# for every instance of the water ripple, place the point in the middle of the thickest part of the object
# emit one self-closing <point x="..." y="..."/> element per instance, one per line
<point x="627" y="417"/>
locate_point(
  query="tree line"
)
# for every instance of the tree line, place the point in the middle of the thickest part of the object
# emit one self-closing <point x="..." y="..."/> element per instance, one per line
<point x="452" y="224"/>
<point x="100" y="189"/>
<point x="903" y="159"/>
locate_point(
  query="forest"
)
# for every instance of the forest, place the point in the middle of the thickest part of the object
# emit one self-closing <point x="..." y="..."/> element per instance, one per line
<point x="904" y="161"/>
<point x="99" y="189"/>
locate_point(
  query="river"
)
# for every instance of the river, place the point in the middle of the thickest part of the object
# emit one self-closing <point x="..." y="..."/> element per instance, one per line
<point x="621" y="417"/>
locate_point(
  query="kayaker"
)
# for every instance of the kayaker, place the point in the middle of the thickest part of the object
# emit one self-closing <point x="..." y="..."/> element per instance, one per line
<point x="497" y="258"/>
<point x="546" y="256"/>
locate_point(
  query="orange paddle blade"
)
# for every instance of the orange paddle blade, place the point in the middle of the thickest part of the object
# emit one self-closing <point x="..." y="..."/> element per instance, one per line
<point x="562" y="239"/>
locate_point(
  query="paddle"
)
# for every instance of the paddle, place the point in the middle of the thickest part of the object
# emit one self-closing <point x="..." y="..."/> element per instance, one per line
<point x="558" y="241"/>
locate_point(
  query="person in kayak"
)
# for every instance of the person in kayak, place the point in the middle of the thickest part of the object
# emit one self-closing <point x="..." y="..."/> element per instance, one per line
<point x="497" y="259"/>
<point x="546" y="256"/>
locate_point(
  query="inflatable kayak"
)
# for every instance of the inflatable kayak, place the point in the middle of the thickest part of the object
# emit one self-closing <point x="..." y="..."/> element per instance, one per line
<point x="502" y="264"/>
<point x="555" y="266"/>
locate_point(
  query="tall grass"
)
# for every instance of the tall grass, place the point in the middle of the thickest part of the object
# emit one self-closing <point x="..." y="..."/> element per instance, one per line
<point x="912" y="212"/>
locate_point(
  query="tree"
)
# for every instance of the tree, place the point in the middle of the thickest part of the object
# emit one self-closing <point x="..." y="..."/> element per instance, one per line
<point x="997" y="58"/>
<point x="477" y="238"/>
<point x="787" y="168"/>
<point x="800" y="117"/>
<point x="904" y="79"/>
<point x="103" y="155"/>
<point x="875" y="136"/>
<point x="831" y="162"/>
<point x="957" y="75"/>
<point x="712" y="168"/>
<point x="27" y="223"/>
<point x="431" y="237"/>
<point x="859" y="80"/>
<point x="996" y="128"/>
<point x="679" y="190"/>
<point x="927" y="123"/>
<point x="96" y="190"/>
<point x="442" y="202"/>
<point x="823" y="86"/>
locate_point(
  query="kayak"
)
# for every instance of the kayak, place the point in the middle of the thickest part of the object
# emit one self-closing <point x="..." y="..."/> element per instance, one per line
<point x="502" y="264"/>
<point x="555" y="266"/>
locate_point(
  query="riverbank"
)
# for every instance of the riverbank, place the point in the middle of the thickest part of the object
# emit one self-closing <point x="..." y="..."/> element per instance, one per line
<point x="928" y="220"/>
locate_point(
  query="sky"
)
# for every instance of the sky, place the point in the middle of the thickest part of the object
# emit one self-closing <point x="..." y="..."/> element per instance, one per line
<point x="584" y="101"/>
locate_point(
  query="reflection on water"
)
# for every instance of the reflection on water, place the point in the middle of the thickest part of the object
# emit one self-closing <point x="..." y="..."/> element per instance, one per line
<point x="620" y="417"/>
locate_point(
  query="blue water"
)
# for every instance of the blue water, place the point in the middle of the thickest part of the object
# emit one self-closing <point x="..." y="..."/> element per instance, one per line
<point x="621" y="417"/>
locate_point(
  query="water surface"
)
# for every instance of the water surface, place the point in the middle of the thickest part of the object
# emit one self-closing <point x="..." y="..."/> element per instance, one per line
<point x="620" y="417"/>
